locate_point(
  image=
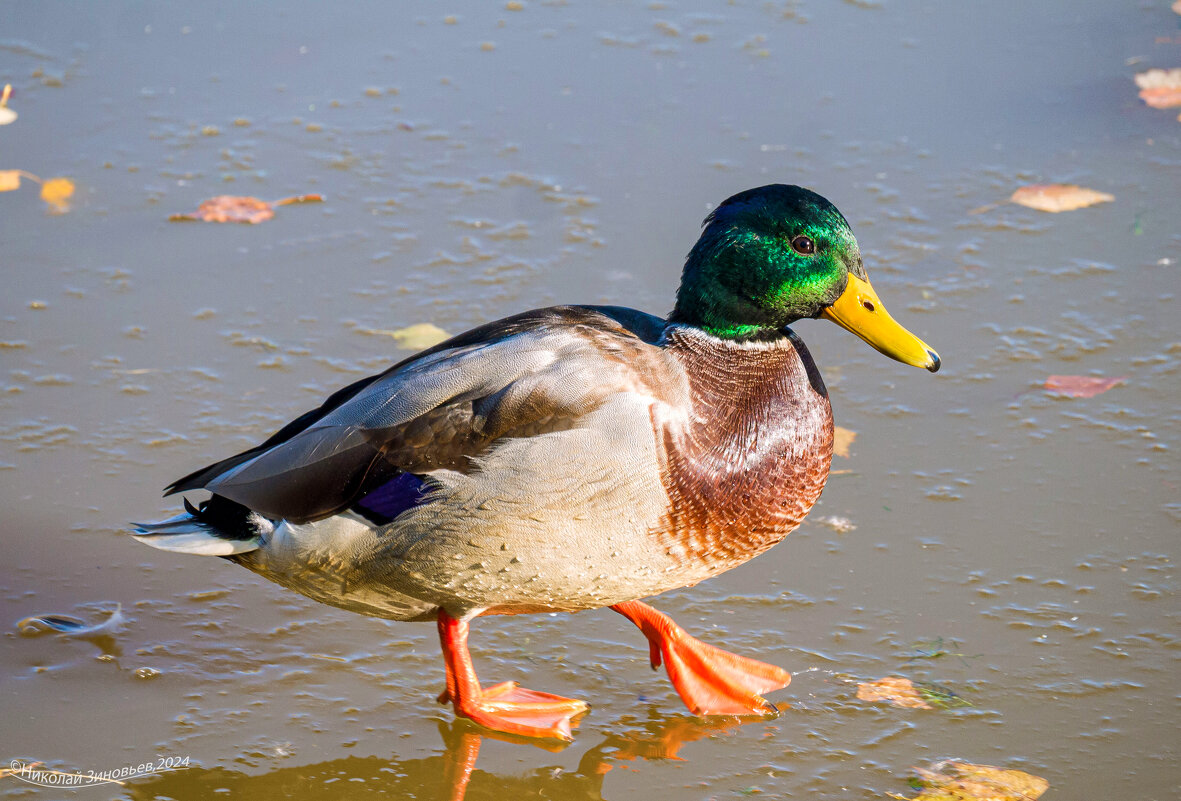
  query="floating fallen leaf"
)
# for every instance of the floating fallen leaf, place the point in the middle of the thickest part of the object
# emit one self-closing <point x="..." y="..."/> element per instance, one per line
<point x="418" y="336"/>
<point x="1081" y="386"/>
<point x="1177" y="6"/>
<point x="941" y="697"/>
<point x="1058" y="197"/>
<point x="894" y="689"/>
<point x="228" y="208"/>
<point x="841" y="525"/>
<point x="934" y="649"/>
<point x="68" y="624"/>
<point x="963" y="781"/>
<point x="232" y="208"/>
<point x="7" y="115"/>
<point x="10" y="180"/>
<point x="984" y="208"/>
<point x="1160" y="88"/>
<point x="295" y="199"/>
<point x="842" y="438"/>
<point x="57" y="193"/>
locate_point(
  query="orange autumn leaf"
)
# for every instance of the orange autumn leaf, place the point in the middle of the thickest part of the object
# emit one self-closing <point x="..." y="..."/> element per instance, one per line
<point x="1058" y="197"/>
<point x="10" y="180"/>
<point x="842" y="438"/>
<point x="894" y="689"/>
<point x="291" y="201"/>
<point x="962" y="781"/>
<point x="1160" y="88"/>
<point x="232" y="208"/>
<point x="228" y="208"/>
<point x="1081" y="386"/>
<point x="57" y="193"/>
<point x="1162" y="96"/>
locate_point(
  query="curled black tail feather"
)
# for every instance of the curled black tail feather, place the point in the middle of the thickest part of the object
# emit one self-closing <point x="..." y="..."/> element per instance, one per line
<point x="228" y="519"/>
<point x="217" y="527"/>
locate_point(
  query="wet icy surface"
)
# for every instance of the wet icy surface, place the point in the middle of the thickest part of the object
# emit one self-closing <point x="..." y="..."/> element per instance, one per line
<point x="1015" y="548"/>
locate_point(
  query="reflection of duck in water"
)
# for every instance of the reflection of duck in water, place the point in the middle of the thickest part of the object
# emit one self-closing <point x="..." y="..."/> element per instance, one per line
<point x="569" y="458"/>
<point x="453" y="775"/>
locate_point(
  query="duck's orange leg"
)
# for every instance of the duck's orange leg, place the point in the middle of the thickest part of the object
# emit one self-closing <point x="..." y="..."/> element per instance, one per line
<point x="503" y="707"/>
<point x="709" y="680"/>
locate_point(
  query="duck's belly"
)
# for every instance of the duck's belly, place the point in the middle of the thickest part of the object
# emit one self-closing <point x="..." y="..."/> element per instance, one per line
<point x="546" y="564"/>
<point x="556" y="522"/>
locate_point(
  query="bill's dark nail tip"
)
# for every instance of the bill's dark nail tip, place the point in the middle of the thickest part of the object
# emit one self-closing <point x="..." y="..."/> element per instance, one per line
<point x="934" y="366"/>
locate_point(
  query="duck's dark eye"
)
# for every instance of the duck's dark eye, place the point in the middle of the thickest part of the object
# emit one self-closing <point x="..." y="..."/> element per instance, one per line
<point x="803" y="245"/>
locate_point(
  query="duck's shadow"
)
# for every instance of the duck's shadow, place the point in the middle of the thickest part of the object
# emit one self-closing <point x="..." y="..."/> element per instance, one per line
<point x="453" y="775"/>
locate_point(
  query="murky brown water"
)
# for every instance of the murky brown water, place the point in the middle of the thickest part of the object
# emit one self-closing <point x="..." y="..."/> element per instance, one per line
<point x="1016" y="548"/>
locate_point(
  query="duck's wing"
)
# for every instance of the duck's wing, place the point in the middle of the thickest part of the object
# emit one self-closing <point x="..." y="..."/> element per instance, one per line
<point x="521" y="376"/>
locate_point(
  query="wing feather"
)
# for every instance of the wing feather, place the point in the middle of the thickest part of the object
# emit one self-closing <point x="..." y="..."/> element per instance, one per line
<point x="519" y="377"/>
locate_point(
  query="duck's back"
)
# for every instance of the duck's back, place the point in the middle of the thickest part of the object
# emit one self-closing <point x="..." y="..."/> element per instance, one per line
<point x="526" y="375"/>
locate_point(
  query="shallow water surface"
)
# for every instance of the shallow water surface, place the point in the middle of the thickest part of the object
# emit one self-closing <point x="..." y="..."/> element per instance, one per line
<point x="1013" y="548"/>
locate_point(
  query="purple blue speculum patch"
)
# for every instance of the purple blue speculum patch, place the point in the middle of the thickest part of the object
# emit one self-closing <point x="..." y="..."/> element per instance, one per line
<point x="395" y="496"/>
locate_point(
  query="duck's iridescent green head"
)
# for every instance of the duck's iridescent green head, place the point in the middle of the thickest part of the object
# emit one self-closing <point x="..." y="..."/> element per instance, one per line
<point x="776" y="254"/>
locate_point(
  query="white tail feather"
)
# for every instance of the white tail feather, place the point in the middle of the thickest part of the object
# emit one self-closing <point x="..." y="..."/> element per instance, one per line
<point x="186" y="534"/>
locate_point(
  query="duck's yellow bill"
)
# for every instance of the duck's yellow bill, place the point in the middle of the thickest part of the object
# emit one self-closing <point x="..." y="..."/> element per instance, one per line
<point x="859" y="310"/>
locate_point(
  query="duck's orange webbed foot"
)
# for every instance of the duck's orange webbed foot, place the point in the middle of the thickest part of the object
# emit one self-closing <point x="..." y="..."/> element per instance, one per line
<point x="709" y="680"/>
<point x="503" y="707"/>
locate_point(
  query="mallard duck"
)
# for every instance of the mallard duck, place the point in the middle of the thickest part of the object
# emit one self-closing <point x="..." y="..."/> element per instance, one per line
<point x="568" y="458"/>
